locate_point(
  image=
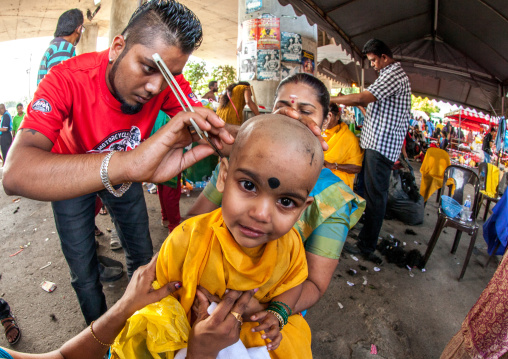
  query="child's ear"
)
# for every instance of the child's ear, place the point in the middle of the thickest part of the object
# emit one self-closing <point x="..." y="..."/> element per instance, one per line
<point x="223" y="175"/>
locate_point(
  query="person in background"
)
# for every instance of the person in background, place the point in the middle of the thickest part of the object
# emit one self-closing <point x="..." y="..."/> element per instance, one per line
<point x="16" y="120"/>
<point x="5" y="131"/>
<point x="444" y="140"/>
<point x="430" y="127"/>
<point x="169" y="192"/>
<point x="488" y="140"/>
<point x="383" y="133"/>
<point x="210" y="95"/>
<point x="344" y="156"/>
<point x="231" y="104"/>
<point x="62" y="47"/>
<point x="11" y="328"/>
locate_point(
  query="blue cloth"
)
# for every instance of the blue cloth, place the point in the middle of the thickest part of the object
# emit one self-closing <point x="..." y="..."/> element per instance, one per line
<point x="75" y="221"/>
<point x="501" y="133"/>
<point x="495" y="230"/>
<point x="431" y="127"/>
<point x="486" y="157"/>
<point x="6" y="122"/>
<point x="5" y="355"/>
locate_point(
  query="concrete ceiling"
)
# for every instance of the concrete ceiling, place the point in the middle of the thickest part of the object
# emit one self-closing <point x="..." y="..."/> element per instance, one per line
<point x="21" y="19"/>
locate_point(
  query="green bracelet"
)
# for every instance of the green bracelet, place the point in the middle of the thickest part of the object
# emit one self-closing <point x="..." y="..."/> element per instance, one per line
<point x="288" y="308"/>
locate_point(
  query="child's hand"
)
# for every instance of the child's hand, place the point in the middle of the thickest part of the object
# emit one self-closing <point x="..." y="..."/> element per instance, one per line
<point x="270" y="324"/>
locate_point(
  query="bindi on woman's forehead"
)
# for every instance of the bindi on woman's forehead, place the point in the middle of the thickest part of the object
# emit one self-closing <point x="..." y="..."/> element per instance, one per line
<point x="293" y="98"/>
<point x="273" y="182"/>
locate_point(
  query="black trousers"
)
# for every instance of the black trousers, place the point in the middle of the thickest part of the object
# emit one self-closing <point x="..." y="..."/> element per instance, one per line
<point x="376" y="176"/>
<point x="4" y="309"/>
<point x="5" y="144"/>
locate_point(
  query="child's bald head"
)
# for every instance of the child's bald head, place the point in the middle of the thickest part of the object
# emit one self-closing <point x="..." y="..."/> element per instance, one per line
<point x="274" y="164"/>
<point x="282" y="134"/>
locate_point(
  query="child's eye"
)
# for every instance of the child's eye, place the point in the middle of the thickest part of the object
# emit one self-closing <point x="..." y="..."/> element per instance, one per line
<point x="287" y="202"/>
<point x="248" y="186"/>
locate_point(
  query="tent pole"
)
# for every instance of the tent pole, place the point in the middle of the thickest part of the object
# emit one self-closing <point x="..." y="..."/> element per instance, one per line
<point x="363" y="77"/>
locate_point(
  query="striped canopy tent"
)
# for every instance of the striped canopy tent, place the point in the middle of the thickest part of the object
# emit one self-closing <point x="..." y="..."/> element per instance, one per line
<point x="470" y="120"/>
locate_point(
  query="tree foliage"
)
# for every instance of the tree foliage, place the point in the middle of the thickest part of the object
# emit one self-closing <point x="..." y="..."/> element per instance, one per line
<point x="196" y="73"/>
<point x="423" y="104"/>
<point x="224" y="75"/>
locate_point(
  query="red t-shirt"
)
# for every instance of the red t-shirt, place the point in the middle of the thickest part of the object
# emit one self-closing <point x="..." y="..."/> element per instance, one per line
<point x="75" y="110"/>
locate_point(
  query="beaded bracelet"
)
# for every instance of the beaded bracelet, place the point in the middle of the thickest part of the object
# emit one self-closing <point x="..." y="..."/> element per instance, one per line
<point x="93" y="335"/>
<point x="288" y="308"/>
<point x="279" y="318"/>
<point x="281" y="310"/>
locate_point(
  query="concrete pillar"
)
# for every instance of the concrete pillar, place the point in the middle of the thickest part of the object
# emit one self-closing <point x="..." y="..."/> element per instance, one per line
<point x="88" y="41"/>
<point x="289" y="22"/>
<point x="121" y="12"/>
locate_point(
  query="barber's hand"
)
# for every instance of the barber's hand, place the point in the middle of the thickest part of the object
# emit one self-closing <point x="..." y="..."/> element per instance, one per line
<point x="161" y="157"/>
<point x="212" y="333"/>
<point x="306" y="120"/>
<point x="139" y="293"/>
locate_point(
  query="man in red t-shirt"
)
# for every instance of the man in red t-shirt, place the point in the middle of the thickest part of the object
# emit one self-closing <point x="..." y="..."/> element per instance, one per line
<point x="93" y="105"/>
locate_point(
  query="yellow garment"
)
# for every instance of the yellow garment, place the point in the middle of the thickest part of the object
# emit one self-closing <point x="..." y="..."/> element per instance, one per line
<point x="329" y="132"/>
<point x="159" y="328"/>
<point x="228" y="113"/>
<point x="440" y="126"/>
<point x="492" y="181"/>
<point x="344" y="149"/>
<point x="432" y="170"/>
<point x="202" y="251"/>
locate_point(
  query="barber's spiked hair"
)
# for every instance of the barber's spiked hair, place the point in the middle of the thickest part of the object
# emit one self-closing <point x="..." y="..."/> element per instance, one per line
<point x="167" y="19"/>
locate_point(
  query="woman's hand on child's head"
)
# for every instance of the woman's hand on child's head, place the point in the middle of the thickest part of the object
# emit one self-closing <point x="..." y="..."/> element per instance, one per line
<point x="306" y="120"/>
<point x="271" y="327"/>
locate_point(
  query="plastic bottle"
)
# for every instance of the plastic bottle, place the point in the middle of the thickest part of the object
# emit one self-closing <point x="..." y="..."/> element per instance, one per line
<point x="466" y="209"/>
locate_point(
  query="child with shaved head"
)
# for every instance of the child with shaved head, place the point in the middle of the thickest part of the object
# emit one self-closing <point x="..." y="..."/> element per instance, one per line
<point x="249" y="242"/>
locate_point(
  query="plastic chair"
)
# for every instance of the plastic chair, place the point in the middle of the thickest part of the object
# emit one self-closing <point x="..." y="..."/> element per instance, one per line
<point x="483" y="170"/>
<point x="432" y="170"/>
<point x="461" y="176"/>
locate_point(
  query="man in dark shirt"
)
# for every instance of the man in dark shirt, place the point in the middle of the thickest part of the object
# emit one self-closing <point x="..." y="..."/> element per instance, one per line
<point x="5" y="131"/>
<point x="62" y="47"/>
<point x="487" y="144"/>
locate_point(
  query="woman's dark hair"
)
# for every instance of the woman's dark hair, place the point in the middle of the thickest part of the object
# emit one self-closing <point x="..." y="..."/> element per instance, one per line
<point x="167" y="19"/>
<point x="334" y="108"/>
<point x="377" y="47"/>
<point x="68" y="22"/>
<point x="317" y="85"/>
<point x="224" y="99"/>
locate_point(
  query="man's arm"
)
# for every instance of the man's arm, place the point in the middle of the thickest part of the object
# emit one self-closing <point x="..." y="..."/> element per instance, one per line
<point x="343" y="167"/>
<point x="252" y="105"/>
<point x="356" y="99"/>
<point x="34" y="172"/>
<point x="5" y="123"/>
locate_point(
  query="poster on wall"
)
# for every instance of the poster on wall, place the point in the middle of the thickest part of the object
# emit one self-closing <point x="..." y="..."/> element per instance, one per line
<point x="250" y="30"/>
<point x="268" y="65"/>
<point x="291" y="47"/>
<point x="253" y="5"/>
<point x="288" y="69"/>
<point x="269" y="33"/>
<point x="308" y="62"/>
<point x="248" y="61"/>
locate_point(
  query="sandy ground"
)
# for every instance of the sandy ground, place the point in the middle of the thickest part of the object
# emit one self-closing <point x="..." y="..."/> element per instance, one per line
<point x="404" y="316"/>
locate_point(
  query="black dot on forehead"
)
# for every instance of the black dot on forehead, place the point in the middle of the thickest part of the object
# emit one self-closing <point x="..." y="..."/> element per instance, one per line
<point x="273" y="182"/>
